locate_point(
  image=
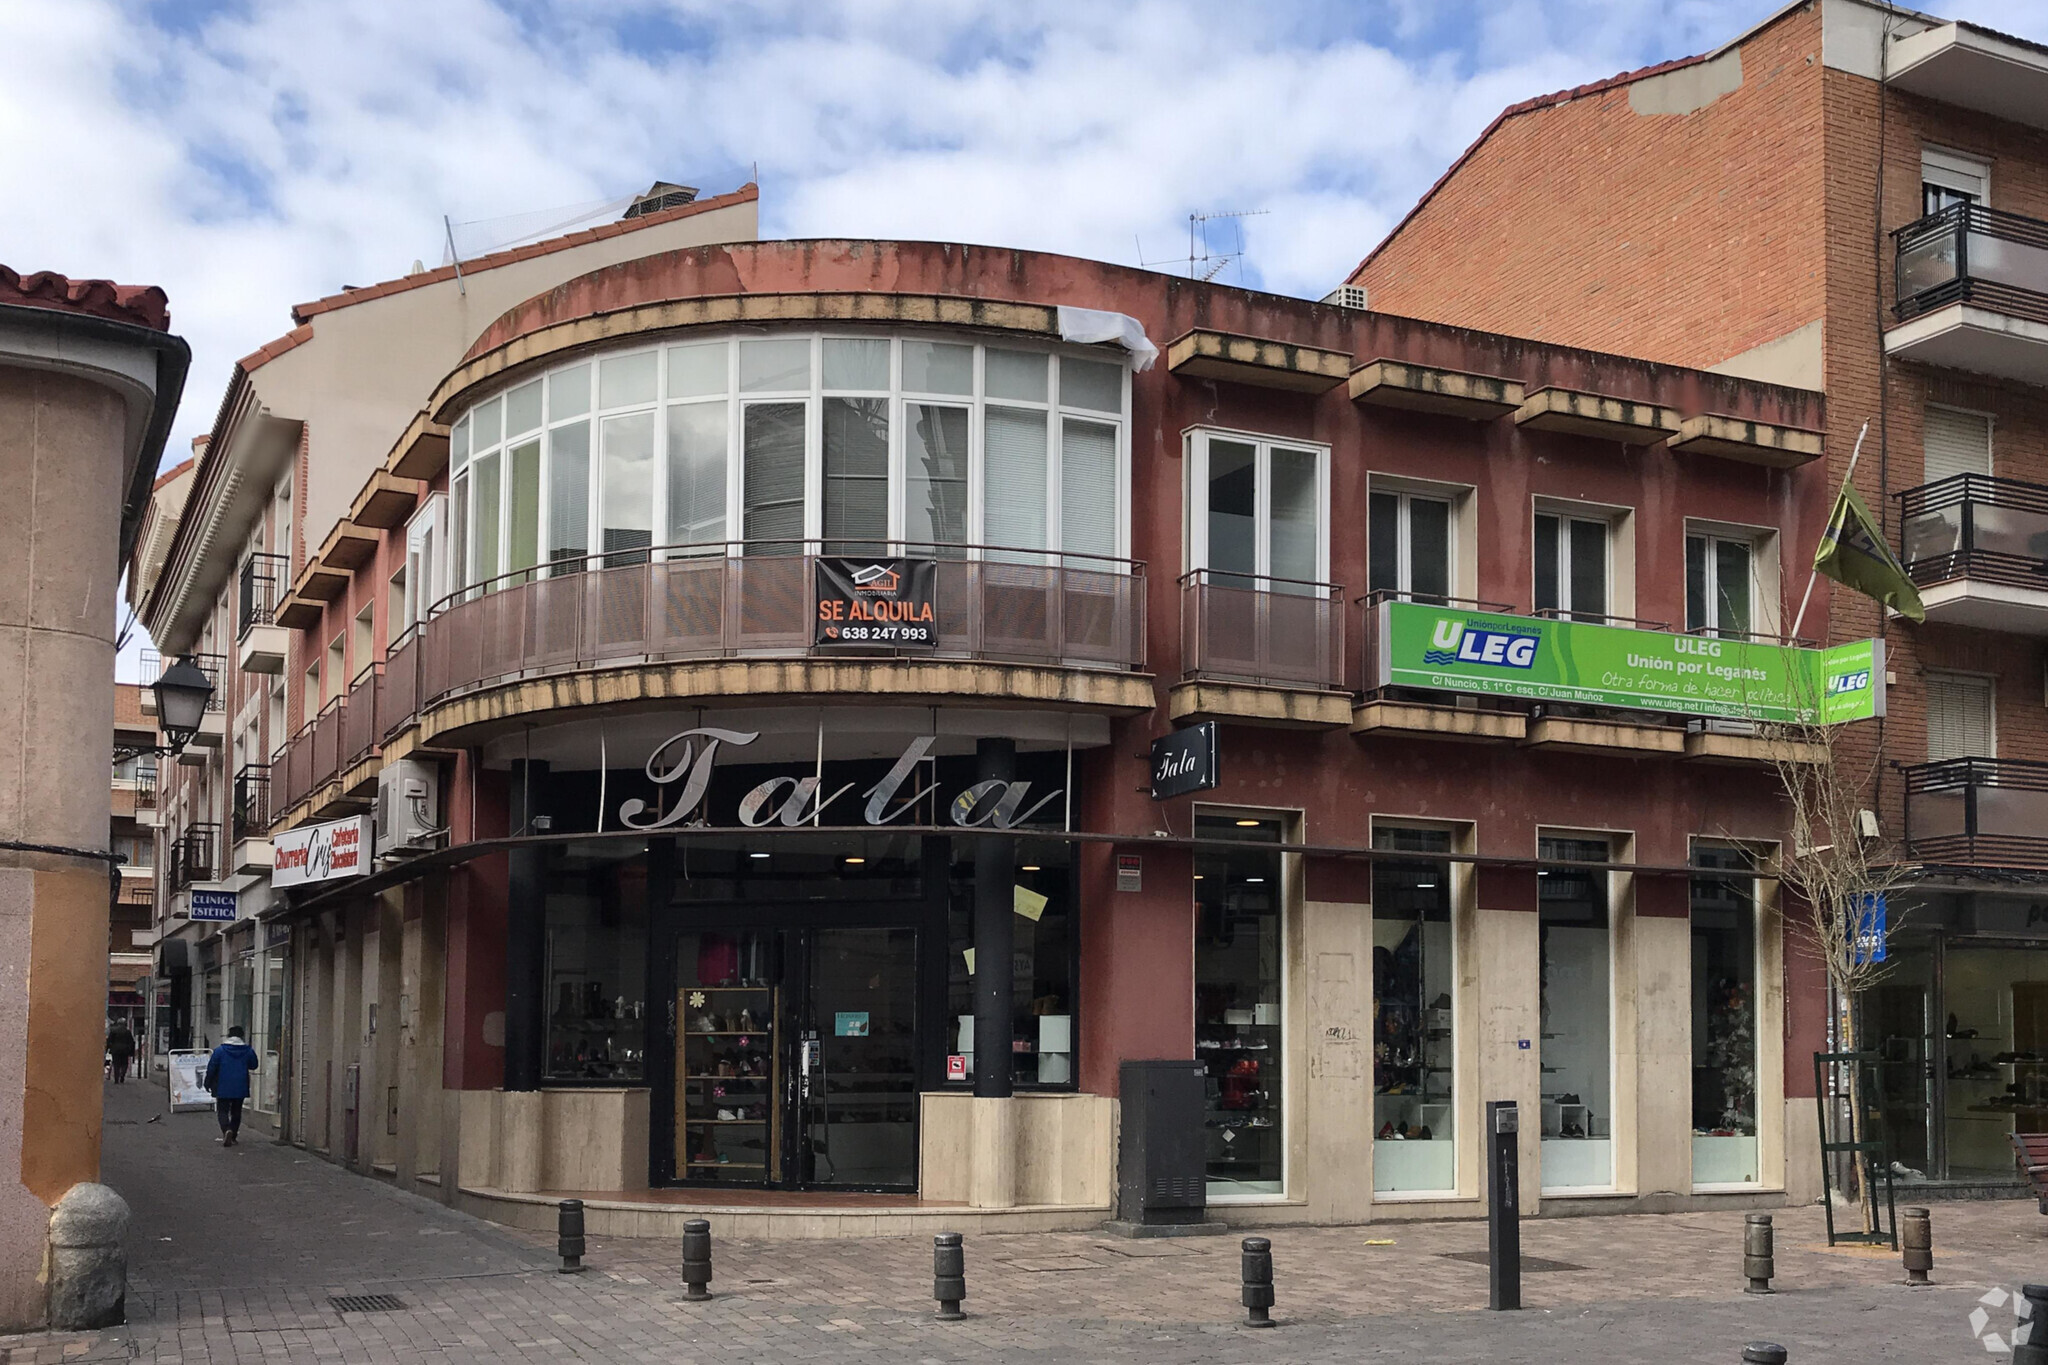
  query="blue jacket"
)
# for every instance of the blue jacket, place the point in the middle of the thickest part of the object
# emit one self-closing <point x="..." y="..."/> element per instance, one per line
<point x="227" y="1070"/>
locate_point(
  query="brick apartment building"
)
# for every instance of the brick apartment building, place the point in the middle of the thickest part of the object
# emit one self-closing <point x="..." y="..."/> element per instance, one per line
<point x="132" y="924"/>
<point x="1849" y="197"/>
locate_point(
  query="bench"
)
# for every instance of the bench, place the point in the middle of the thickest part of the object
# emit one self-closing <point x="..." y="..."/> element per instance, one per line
<point x="2030" y="1154"/>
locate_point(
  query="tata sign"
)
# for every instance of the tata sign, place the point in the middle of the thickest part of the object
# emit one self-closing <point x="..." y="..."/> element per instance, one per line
<point x="1184" y="761"/>
<point x="1448" y="650"/>
<point x="321" y="853"/>
<point x="877" y="602"/>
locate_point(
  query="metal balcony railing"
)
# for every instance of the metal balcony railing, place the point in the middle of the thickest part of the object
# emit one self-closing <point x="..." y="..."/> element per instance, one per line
<point x="214" y="666"/>
<point x="250" y="816"/>
<point x="1978" y="812"/>
<point x="399" y="700"/>
<point x="360" y="733"/>
<point x="294" y="770"/>
<point x="1977" y="527"/>
<point x="194" y="855"/>
<point x="145" y="788"/>
<point x="327" y="742"/>
<point x="265" y="577"/>
<point x="1252" y="628"/>
<point x="1968" y="253"/>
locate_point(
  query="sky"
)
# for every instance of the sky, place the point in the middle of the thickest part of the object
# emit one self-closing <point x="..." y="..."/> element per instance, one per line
<point x="247" y="155"/>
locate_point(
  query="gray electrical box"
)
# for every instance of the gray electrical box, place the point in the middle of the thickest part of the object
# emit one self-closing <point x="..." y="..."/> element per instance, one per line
<point x="1161" y="1149"/>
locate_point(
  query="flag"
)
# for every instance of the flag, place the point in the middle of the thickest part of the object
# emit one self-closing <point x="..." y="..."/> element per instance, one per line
<point x="1853" y="553"/>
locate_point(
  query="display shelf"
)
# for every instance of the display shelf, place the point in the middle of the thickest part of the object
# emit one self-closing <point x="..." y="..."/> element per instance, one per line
<point x="700" y="1133"/>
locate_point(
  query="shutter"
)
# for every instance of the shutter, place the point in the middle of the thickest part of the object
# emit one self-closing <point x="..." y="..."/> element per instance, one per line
<point x="1959" y="717"/>
<point x="1957" y="443"/>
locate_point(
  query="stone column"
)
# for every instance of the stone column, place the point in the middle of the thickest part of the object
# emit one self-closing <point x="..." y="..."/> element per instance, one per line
<point x="80" y="410"/>
<point x="526" y="1004"/>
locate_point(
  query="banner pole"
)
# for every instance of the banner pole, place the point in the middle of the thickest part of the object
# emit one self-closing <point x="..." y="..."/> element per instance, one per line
<point x="1847" y="475"/>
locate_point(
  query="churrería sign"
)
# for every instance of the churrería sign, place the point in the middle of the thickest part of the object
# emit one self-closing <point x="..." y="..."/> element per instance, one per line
<point x="886" y="602"/>
<point x="321" y="853"/>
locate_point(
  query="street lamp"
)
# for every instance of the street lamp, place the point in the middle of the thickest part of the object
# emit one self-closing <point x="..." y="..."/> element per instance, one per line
<point x="183" y="693"/>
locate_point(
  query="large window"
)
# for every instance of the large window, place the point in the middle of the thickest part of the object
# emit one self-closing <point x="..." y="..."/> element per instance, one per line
<point x="1239" y="1027"/>
<point x="1256" y="511"/>
<point x="1577" y="1015"/>
<point x="1724" y="1018"/>
<point x="1408" y="544"/>
<point x="596" y="962"/>
<point x="1572" y="566"/>
<point x="1414" y="973"/>
<point x="831" y="444"/>
<point x="1720" y="584"/>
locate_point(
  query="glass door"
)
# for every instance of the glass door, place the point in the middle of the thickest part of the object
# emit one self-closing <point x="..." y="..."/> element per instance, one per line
<point x="856" y="1092"/>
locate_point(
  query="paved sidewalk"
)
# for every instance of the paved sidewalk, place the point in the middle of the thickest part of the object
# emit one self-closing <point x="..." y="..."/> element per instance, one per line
<point x="236" y="1251"/>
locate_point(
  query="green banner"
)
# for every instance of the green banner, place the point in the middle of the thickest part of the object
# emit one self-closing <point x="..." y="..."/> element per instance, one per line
<point x="1452" y="650"/>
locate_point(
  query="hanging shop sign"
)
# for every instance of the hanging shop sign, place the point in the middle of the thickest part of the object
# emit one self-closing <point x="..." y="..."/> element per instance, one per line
<point x="1185" y="761"/>
<point x="684" y="762"/>
<point x="889" y="602"/>
<point x="1451" y="650"/>
<point x="214" y="907"/>
<point x="321" y="853"/>
<point x="1869" y="944"/>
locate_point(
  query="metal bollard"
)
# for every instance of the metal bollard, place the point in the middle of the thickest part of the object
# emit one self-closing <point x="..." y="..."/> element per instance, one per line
<point x="1916" y="1244"/>
<point x="1255" y="1268"/>
<point x="569" y="1235"/>
<point x="1763" y="1353"/>
<point x="949" y="1275"/>
<point x="2030" y="1333"/>
<point x="697" y="1260"/>
<point x="1758" y="1262"/>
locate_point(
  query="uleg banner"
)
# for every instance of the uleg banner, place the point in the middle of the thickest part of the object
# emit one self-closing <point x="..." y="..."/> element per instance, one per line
<point x="1453" y="650"/>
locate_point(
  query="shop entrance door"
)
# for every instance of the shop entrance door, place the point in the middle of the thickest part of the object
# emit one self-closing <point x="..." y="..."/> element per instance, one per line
<point x="795" y="1058"/>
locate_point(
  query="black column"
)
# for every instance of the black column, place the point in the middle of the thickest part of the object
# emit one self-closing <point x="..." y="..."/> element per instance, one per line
<point x="526" y="934"/>
<point x="995" y="937"/>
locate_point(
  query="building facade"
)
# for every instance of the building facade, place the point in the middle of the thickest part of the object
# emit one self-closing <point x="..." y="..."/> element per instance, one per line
<point x="777" y="634"/>
<point x="132" y="922"/>
<point x="1850" y="197"/>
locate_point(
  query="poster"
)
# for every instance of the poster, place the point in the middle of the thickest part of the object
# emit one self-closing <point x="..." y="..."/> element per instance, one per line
<point x="850" y="1024"/>
<point x="185" y="1074"/>
<point x="1453" y="650"/>
<point x="887" y="602"/>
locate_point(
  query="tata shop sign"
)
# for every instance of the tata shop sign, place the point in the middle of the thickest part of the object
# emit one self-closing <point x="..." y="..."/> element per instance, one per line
<point x="321" y="853"/>
<point x="887" y="602"/>
<point x="1540" y="659"/>
<point x="1184" y="761"/>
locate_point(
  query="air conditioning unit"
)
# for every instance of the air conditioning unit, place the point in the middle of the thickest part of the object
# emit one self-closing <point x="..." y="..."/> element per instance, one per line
<point x="407" y="819"/>
<point x="1347" y="296"/>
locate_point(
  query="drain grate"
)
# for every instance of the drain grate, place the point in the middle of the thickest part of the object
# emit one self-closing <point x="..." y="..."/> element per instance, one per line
<point x="366" y="1303"/>
<point x="1533" y="1265"/>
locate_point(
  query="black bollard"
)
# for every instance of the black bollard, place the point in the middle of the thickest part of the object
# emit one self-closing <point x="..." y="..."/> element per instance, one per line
<point x="569" y="1235"/>
<point x="697" y="1260"/>
<point x="1916" y="1244"/>
<point x="1255" y="1269"/>
<point x="949" y="1275"/>
<point x="2030" y="1333"/>
<point x="1503" y="1206"/>
<point x="1763" y="1353"/>
<point x="1758" y="1262"/>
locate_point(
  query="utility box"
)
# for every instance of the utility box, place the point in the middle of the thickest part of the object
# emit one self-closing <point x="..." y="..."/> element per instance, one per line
<point x="1161" y="1151"/>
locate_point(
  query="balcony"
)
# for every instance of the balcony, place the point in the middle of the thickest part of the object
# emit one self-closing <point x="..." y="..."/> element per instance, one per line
<point x="192" y="857"/>
<point x="1973" y="293"/>
<point x="360" y="732"/>
<point x="1261" y="650"/>
<point x="249" y="819"/>
<point x="1977" y="548"/>
<point x="263" y="640"/>
<point x="1978" y="812"/>
<point x="1974" y="68"/>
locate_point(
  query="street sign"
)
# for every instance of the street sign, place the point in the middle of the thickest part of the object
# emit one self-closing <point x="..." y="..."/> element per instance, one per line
<point x="889" y="603"/>
<point x="1185" y="761"/>
<point x="213" y="906"/>
<point x="1869" y="944"/>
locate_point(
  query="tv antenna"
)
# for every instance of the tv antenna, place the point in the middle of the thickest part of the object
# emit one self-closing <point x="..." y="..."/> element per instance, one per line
<point x="1203" y="261"/>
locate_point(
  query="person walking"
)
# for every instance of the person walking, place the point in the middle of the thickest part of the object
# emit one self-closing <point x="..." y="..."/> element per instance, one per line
<point x="120" y="1049"/>
<point x="227" y="1080"/>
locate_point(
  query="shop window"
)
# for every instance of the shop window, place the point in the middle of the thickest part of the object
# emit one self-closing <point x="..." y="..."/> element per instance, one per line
<point x="1408" y="544"/>
<point x="1572" y="566"/>
<point x="1239" y="1025"/>
<point x="1414" y="1015"/>
<point x="1724" y="1018"/>
<point x="596" y="917"/>
<point x="1042" y="965"/>
<point x="1255" y="512"/>
<point x="1720" y="578"/>
<point x="1577" y="1016"/>
<point x="1960" y="716"/>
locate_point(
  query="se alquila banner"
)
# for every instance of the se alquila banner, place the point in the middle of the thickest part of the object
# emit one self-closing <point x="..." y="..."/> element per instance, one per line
<point x="1540" y="659"/>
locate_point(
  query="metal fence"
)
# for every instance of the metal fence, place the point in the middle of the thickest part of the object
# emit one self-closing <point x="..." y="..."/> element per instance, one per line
<point x="193" y="856"/>
<point x="250" y="814"/>
<point x="360" y="733"/>
<point x="264" y="579"/>
<point x="1251" y="628"/>
<point x="1978" y="812"/>
<point x="1975" y="526"/>
<point x="1968" y="253"/>
<point x="327" y="743"/>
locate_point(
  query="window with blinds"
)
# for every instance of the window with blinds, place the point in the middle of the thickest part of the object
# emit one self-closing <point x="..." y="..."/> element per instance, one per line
<point x="1959" y="717"/>
<point x="1956" y="442"/>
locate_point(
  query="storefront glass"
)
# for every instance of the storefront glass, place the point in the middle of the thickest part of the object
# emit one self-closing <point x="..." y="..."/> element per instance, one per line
<point x="596" y="962"/>
<point x="1577" y="1017"/>
<point x="1042" y="964"/>
<point x="1414" y="976"/>
<point x="1724" y="1041"/>
<point x="1238" y="1020"/>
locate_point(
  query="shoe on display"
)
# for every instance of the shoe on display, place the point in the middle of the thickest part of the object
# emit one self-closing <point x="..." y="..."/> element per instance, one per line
<point x="1386" y="1130"/>
<point x="727" y="1115"/>
<point x="1423" y="1134"/>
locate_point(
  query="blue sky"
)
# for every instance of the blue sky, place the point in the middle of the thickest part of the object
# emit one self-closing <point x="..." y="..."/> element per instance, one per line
<point x="250" y="154"/>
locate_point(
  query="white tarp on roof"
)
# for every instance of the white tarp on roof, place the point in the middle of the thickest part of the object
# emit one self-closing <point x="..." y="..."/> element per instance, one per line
<point x="1092" y="325"/>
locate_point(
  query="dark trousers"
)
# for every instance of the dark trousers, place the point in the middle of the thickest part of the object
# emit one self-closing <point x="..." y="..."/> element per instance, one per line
<point x="230" y="1114"/>
<point x="120" y="1067"/>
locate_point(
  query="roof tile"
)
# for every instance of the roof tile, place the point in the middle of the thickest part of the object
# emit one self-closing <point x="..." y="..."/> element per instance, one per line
<point x="139" y="305"/>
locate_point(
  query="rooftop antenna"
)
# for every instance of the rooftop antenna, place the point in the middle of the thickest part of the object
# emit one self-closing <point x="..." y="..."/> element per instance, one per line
<point x="454" y="256"/>
<point x="1202" y="261"/>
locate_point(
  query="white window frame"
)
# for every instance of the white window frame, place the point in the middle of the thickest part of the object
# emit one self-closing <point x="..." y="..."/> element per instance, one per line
<point x="426" y="558"/>
<point x="1452" y="496"/>
<point x="1990" y="433"/>
<point x="1564" y="608"/>
<point x="1960" y="678"/>
<point x="1196" y="441"/>
<point x="1958" y="172"/>
<point x="1762" y="544"/>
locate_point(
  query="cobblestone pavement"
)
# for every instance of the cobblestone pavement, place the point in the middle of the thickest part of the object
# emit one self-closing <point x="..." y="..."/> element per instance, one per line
<point x="235" y="1253"/>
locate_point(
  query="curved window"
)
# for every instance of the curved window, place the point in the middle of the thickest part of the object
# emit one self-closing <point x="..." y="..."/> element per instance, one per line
<point x="794" y="444"/>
